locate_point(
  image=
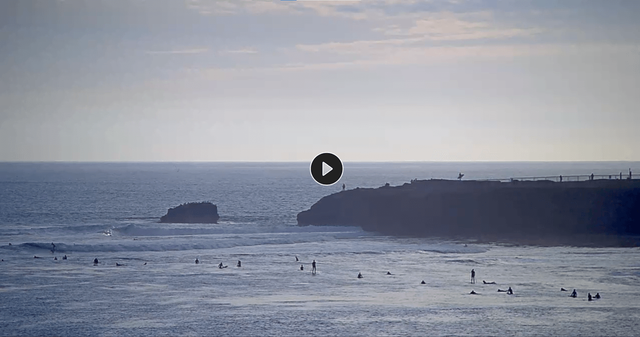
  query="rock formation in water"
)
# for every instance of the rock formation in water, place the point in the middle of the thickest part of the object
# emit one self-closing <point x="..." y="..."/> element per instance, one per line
<point x="193" y="212"/>
<point x="540" y="212"/>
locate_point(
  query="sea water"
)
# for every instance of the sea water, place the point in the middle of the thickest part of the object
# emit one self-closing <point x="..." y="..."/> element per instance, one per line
<point x="110" y="211"/>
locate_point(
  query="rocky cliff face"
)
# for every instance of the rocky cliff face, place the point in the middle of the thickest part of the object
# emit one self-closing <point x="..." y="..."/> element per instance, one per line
<point x="543" y="210"/>
<point x="196" y="212"/>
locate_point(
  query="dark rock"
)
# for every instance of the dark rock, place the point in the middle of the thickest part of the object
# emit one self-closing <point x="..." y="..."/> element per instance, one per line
<point x="598" y="212"/>
<point x="194" y="212"/>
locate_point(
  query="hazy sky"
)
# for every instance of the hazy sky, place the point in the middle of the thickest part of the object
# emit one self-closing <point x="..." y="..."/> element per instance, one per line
<point x="283" y="81"/>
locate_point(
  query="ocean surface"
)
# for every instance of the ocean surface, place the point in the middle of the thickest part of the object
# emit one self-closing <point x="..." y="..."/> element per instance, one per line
<point x="110" y="211"/>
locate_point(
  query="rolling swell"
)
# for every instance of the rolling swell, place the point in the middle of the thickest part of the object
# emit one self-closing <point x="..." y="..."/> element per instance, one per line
<point x="154" y="230"/>
<point x="185" y="242"/>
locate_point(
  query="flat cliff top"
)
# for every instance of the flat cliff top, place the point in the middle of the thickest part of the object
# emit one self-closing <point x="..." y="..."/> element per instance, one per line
<point x="423" y="187"/>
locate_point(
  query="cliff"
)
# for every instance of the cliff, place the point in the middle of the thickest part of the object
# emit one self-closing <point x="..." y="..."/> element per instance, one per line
<point x="195" y="212"/>
<point x="541" y="212"/>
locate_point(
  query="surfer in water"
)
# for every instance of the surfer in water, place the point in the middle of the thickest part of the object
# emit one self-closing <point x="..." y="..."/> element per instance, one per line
<point x="589" y="297"/>
<point x="563" y="289"/>
<point x="388" y="273"/>
<point x="473" y="292"/>
<point x="423" y="282"/>
<point x="485" y="282"/>
<point x="574" y="294"/>
<point x="360" y="275"/>
<point x="301" y="267"/>
<point x="53" y="248"/>
<point x="197" y="261"/>
<point x="239" y="264"/>
<point x="64" y="257"/>
<point x="597" y="296"/>
<point x="509" y="291"/>
<point x="313" y="266"/>
<point x="297" y="258"/>
<point x="95" y="261"/>
<point x="473" y="276"/>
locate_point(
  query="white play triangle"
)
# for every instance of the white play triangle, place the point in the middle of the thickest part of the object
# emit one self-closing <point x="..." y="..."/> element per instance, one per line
<point x="326" y="169"/>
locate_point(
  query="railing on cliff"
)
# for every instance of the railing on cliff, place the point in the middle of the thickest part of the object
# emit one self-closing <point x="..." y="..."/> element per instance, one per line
<point x="568" y="178"/>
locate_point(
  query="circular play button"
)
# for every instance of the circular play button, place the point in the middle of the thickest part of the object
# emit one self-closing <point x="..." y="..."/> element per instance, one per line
<point x="326" y="169"/>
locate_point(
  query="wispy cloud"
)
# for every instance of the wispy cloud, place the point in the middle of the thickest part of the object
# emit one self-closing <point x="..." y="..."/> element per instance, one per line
<point x="447" y="26"/>
<point x="418" y="55"/>
<point x="425" y="36"/>
<point x="178" y="51"/>
<point x="232" y="7"/>
<point x="240" y="51"/>
<point x="393" y="57"/>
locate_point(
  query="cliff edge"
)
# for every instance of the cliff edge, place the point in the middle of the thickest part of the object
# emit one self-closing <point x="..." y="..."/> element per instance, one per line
<point x="540" y="212"/>
<point x="194" y="212"/>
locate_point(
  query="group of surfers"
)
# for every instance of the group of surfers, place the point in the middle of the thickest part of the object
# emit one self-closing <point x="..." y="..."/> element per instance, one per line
<point x="509" y="291"/>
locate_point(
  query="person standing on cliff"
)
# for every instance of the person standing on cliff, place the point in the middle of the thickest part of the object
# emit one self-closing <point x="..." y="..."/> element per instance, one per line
<point x="473" y="276"/>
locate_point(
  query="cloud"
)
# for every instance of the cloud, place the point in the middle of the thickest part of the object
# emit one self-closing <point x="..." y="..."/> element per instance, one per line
<point x="240" y="51"/>
<point x="448" y="26"/>
<point x="389" y="57"/>
<point x="178" y="51"/>
<point x="419" y="55"/>
<point x="234" y="7"/>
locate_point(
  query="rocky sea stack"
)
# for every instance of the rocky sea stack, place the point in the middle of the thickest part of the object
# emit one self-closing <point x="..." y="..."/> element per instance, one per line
<point x="598" y="212"/>
<point x="193" y="212"/>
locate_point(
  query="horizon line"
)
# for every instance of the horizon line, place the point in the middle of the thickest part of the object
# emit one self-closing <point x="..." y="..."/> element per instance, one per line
<point x="299" y="161"/>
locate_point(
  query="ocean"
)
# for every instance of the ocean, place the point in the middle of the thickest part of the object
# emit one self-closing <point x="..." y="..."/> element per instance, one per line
<point x="110" y="211"/>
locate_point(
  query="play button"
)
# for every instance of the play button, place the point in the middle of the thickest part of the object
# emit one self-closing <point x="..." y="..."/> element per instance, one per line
<point x="326" y="169"/>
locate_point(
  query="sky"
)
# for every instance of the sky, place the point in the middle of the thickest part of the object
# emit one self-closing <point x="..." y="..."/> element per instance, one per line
<point x="387" y="80"/>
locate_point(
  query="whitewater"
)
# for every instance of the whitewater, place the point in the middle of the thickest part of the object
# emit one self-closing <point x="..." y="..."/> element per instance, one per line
<point x="110" y="211"/>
